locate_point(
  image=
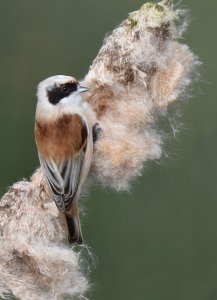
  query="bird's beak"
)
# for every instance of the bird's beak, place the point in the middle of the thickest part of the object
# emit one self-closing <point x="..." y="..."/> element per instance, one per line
<point x="82" y="89"/>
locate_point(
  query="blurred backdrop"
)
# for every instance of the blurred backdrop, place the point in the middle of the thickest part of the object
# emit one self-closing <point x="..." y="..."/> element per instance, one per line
<point x="160" y="241"/>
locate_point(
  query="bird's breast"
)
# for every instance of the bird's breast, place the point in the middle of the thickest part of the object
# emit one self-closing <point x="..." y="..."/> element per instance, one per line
<point x="65" y="137"/>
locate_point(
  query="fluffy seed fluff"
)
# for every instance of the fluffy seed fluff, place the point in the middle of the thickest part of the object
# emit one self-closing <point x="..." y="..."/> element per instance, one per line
<point x="139" y="71"/>
<point x="35" y="262"/>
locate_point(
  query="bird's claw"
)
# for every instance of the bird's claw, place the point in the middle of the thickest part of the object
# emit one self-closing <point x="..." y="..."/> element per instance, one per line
<point x="96" y="132"/>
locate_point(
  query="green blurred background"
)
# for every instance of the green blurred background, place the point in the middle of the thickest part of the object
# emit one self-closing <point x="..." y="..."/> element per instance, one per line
<point x="160" y="241"/>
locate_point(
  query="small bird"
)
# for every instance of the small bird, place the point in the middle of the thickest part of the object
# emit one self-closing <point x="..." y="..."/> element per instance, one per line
<point x="64" y="138"/>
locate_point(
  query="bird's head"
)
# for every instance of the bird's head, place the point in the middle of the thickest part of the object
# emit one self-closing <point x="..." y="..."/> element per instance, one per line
<point x="58" y="93"/>
<point x="59" y="89"/>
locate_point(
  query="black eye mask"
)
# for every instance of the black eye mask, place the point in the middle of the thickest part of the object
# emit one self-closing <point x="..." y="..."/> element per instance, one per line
<point x="59" y="92"/>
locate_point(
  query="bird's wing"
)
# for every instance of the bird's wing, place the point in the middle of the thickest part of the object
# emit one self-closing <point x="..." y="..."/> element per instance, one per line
<point x="71" y="174"/>
<point x="63" y="179"/>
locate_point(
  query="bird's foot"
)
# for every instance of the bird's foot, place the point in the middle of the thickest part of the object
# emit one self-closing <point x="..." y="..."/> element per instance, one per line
<point x="96" y="132"/>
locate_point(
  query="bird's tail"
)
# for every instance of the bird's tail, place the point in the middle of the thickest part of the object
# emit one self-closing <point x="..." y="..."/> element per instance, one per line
<point x="74" y="227"/>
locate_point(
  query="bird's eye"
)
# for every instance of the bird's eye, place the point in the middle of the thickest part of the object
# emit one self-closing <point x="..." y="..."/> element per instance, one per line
<point x="65" y="88"/>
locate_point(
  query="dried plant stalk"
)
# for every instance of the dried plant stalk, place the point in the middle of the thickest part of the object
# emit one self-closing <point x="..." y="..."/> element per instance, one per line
<point x="138" y="72"/>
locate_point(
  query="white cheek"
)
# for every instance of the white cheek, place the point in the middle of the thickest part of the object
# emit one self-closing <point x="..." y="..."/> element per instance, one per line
<point x="74" y="99"/>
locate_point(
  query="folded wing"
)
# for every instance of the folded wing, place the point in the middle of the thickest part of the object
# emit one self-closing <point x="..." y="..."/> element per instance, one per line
<point x="63" y="179"/>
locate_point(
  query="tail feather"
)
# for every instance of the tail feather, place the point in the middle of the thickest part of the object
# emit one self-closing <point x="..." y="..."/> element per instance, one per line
<point x="74" y="228"/>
